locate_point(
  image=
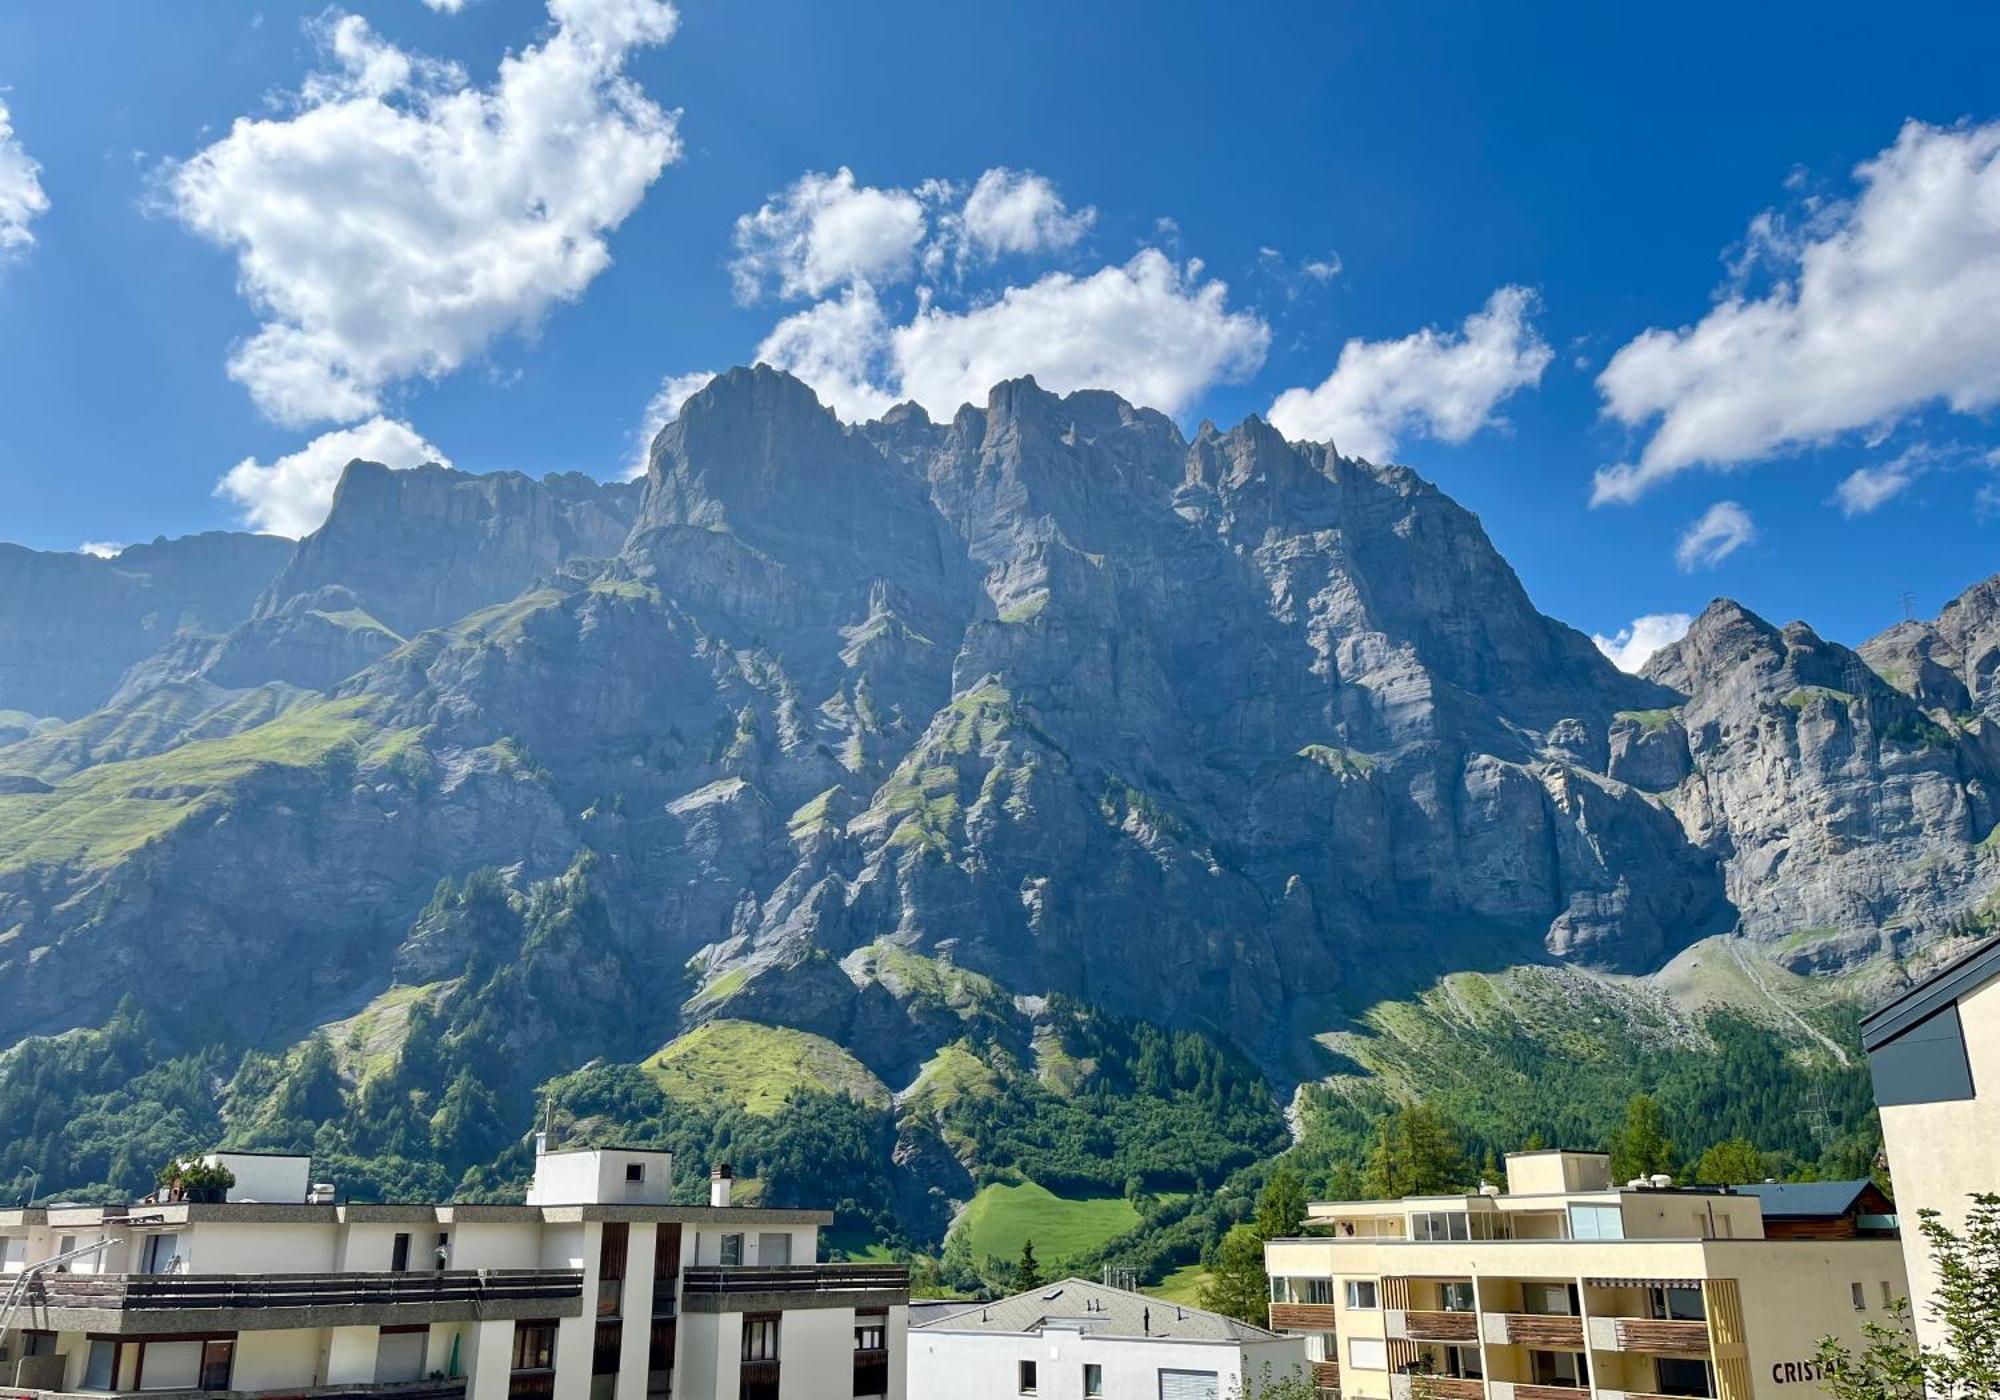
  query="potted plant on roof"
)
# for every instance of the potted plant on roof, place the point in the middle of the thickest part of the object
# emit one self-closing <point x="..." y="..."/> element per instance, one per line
<point x="195" y="1181"/>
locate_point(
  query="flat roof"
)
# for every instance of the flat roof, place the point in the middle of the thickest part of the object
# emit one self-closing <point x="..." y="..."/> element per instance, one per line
<point x="1100" y="1311"/>
<point x="1962" y="974"/>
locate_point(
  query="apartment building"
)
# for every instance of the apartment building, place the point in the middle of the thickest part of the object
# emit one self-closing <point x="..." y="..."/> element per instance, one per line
<point x="596" y="1288"/>
<point x="1565" y="1286"/>
<point x="1076" y="1340"/>
<point x="1934" y="1054"/>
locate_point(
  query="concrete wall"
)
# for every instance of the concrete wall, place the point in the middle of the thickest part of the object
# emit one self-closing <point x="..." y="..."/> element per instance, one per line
<point x="496" y="1245"/>
<point x="599" y="1177"/>
<point x="1797" y="1291"/>
<point x="986" y="1366"/>
<point x="229" y="1247"/>
<point x="711" y="1357"/>
<point x="1941" y="1153"/>
<point x="261" y="1178"/>
<point x="816" y="1353"/>
<point x="488" y="1357"/>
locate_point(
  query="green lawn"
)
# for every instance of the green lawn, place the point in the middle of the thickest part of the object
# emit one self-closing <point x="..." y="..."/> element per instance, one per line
<point x="1000" y="1218"/>
<point x="1181" y="1285"/>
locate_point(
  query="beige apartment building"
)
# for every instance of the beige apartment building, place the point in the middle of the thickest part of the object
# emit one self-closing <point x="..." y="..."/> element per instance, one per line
<point x="1934" y="1053"/>
<point x="597" y="1287"/>
<point x="1565" y="1286"/>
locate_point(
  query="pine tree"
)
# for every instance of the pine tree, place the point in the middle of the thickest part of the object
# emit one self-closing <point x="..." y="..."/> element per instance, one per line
<point x="1027" y="1273"/>
<point x="1237" y="1285"/>
<point x="1641" y="1147"/>
<point x="1730" y="1163"/>
<point x="1281" y="1206"/>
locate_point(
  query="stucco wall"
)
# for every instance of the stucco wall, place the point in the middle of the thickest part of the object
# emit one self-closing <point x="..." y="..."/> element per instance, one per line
<point x="984" y="1366"/>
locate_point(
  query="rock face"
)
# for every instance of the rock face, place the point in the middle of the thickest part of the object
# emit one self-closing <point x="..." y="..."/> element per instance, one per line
<point x="71" y="625"/>
<point x="1196" y="730"/>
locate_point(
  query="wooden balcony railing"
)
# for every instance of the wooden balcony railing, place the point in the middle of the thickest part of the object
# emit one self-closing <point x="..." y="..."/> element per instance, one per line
<point x="1302" y="1317"/>
<point x="1550" y="1392"/>
<point x="1545" y="1331"/>
<point x="1326" y="1376"/>
<point x="1654" y="1335"/>
<point x="1446" y="1388"/>
<point x="183" y="1292"/>
<point x="1441" y="1326"/>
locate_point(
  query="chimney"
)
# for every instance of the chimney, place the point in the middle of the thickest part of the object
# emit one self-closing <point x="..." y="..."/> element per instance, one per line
<point x="541" y="1143"/>
<point x="721" y="1184"/>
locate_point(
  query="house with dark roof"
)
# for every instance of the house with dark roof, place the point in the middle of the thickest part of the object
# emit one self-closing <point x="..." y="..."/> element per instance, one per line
<point x="1934" y="1054"/>
<point x="1824" y="1210"/>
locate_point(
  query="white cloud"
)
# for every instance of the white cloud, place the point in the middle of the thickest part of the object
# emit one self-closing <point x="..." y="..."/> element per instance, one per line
<point x="22" y="199"/>
<point x="824" y="232"/>
<point x="1018" y="211"/>
<point x="1867" y="488"/>
<point x="1151" y="330"/>
<point x="1724" y="528"/>
<point x="662" y="409"/>
<point x="291" y="496"/>
<point x="1883" y="305"/>
<point x="400" y="220"/>
<point x="1632" y="646"/>
<point x="100" y="549"/>
<point x="446" y="7"/>
<point x="1441" y="384"/>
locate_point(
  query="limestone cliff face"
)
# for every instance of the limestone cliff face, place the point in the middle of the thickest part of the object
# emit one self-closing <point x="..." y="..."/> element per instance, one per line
<point x="70" y="624"/>
<point x="1202" y="730"/>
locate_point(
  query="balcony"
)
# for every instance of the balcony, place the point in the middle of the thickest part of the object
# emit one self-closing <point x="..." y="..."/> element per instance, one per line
<point x="741" y="1289"/>
<point x="1543" y="1331"/>
<point x="1655" y="1336"/>
<point x="1434" y="1326"/>
<point x="1408" y="1387"/>
<point x="1302" y="1317"/>
<point x="155" y="1303"/>
<point x="1325" y="1377"/>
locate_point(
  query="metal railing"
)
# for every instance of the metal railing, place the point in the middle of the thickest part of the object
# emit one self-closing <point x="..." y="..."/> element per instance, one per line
<point x="795" y="1278"/>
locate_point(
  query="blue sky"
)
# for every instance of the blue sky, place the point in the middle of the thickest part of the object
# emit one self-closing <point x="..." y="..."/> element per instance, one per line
<point x="1203" y="204"/>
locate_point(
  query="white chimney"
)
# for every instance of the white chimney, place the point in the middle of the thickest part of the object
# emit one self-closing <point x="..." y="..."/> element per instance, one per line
<point x="721" y="1185"/>
<point x="541" y="1144"/>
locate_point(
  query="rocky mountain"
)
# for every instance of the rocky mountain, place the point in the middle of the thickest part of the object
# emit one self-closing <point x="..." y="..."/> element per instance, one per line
<point x="902" y="737"/>
<point x="71" y="624"/>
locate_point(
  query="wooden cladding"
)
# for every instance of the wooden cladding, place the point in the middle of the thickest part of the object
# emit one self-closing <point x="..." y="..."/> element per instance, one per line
<point x="1549" y="1392"/>
<point x="1667" y="1338"/>
<point x="1302" y="1317"/>
<point x="1325" y="1375"/>
<point x="1441" y="1326"/>
<point x="1545" y="1331"/>
<point x="1449" y="1388"/>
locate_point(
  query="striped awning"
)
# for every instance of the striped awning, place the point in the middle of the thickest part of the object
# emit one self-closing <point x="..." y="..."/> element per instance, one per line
<point x="1644" y="1282"/>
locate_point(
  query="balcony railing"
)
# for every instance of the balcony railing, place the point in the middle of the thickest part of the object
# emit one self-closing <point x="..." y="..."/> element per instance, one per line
<point x="1302" y="1317"/>
<point x="1550" y="1392"/>
<point x="1441" y="1326"/>
<point x="237" y="1292"/>
<point x="795" y="1278"/>
<point x="1326" y="1376"/>
<point x="1660" y="1336"/>
<point x="1418" y="1387"/>
<point x="871" y="1372"/>
<point x="1545" y="1331"/>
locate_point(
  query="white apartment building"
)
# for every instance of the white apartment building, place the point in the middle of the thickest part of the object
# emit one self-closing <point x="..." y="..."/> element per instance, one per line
<point x="1565" y="1286"/>
<point x="1074" y="1340"/>
<point x="595" y="1289"/>
<point x="1934" y="1054"/>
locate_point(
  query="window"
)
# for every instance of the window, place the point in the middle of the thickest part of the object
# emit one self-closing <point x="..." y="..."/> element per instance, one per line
<point x="100" y="1368"/>
<point x="1322" y="1346"/>
<point x="1093" y="1381"/>
<point x="1860" y="1297"/>
<point x="1675" y="1304"/>
<point x="1550" y="1299"/>
<point x="441" y="1255"/>
<point x="732" y="1249"/>
<point x="635" y="1172"/>
<point x="534" y="1346"/>
<point x="399" y="1254"/>
<point x="774" y="1250"/>
<point x="1440" y="1225"/>
<point x="1565" y="1368"/>
<point x="1187" y="1385"/>
<point x="1888" y="1296"/>
<point x="1026" y="1377"/>
<point x="217" y="1358"/>
<point x="1682" y="1376"/>
<point x="1596" y="1223"/>
<point x="170" y="1365"/>
<point x="1368" y="1353"/>
<point x="1362" y="1295"/>
<point x="870" y="1334"/>
<point x="1457" y="1297"/>
<point x="1301" y="1290"/>
<point x="760" y="1339"/>
<point x="1462" y="1363"/>
<point x="13" y="1252"/>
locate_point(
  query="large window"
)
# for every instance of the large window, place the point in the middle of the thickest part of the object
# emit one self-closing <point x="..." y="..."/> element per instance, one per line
<point x="534" y="1346"/>
<point x="1682" y="1376"/>
<point x="1188" y="1385"/>
<point x="1678" y="1304"/>
<point x="759" y="1377"/>
<point x="1596" y="1223"/>
<point x="1368" y="1353"/>
<point x="1566" y="1368"/>
<point x="100" y="1368"/>
<point x="1439" y="1225"/>
<point x="1362" y="1295"/>
<point x="760" y="1339"/>
<point x="1457" y="1297"/>
<point x="1301" y="1290"/>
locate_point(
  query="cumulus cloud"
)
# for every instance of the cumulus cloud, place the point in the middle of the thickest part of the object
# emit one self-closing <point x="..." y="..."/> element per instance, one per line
<point x="22" y="200"/>
<point x="292" y="495"/>
<point x="1724" y="528"/>
<point x="100" y="549"/>
<point x="1441" y="384"/>
<point x="1882" y="305"/>
<point x="824" y="232"/>
<point x="399" y="219"/>
<point x="665" y="406"/>
<point x="1630" y="647"/>
<point x="1151" y="329"/>
<point x="1018" y="211"/>
<point x="446" y="7"/>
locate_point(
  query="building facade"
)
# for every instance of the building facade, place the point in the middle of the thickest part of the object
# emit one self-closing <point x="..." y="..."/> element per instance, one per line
<point x="1934" y="1054"/>
<point x="1566" y="1287"/>
<point x="1074" y="1340"/>
<point x="595" y="1289"/>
